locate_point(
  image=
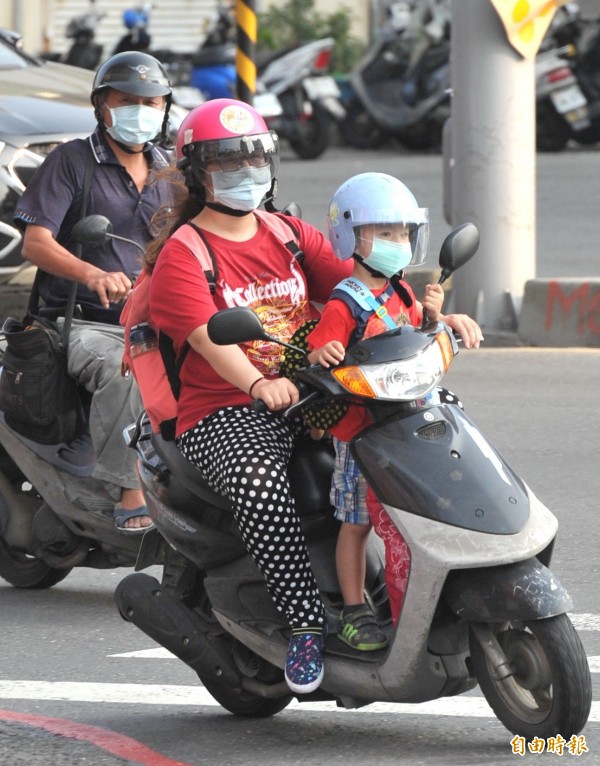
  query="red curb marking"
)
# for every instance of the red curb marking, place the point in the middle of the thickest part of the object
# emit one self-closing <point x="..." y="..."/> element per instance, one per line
<point x="117" y="744"/>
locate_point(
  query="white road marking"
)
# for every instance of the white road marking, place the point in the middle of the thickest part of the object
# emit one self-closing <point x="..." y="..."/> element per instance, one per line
<point x="163" y="654"/>
<point x="156" y="694"/>
<point x="586" y="621"/>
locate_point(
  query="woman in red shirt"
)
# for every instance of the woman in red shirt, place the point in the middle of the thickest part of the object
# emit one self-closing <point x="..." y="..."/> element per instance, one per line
<point x="229" y="160"/>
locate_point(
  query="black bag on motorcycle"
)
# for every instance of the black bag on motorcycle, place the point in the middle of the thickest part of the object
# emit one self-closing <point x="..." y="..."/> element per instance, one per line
<point x="39" y="398"/>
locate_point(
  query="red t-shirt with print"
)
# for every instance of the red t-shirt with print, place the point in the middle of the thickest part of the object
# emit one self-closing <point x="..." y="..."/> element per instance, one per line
<point x="260" y="273"/>
<point x="337" y="323"/>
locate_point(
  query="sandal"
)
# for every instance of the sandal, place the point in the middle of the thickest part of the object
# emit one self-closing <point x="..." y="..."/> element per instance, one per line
<point x="121" y="515"/>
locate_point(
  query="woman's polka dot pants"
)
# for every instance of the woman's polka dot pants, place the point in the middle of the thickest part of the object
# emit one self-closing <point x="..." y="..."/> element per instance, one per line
<point x="243" y="455"/>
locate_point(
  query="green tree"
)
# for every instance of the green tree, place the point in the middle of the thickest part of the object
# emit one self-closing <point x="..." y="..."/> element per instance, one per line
<point x="296" y="21"/>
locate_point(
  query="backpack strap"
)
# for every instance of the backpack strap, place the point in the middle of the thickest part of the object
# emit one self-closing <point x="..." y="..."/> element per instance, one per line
<point x="193" y="238"/>
<point x="360" y="293"/>
<point x="363" y="304"/>
<point x="281" y="226"/>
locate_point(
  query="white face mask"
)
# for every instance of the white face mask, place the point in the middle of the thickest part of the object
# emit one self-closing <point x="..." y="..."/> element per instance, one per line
<point x="136" y="124"/>
<point x="242" y="189"/>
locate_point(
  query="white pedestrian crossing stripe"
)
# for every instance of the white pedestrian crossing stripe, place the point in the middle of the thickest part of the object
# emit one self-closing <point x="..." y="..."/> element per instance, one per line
<point x="166" y="695"/>
<point x="468" y="705"/>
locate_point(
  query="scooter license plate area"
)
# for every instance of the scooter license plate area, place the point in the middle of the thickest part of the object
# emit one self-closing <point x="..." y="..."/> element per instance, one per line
<point x="436" y="463"/>
<point x="570" y="100"/>
<point x="321" y="87"/>
<point x="267" y="105"/>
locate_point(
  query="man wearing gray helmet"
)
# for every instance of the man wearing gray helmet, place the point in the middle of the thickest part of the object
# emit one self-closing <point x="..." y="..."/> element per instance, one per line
<point x="131" y="95"/>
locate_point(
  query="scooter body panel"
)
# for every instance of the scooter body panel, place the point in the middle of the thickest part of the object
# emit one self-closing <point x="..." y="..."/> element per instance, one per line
<point x="434" y="462"/>
<point x="83" y="504"/>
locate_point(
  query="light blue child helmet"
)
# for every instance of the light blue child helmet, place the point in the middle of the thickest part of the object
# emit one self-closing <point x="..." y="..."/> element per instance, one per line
<point x="375" y="198"/>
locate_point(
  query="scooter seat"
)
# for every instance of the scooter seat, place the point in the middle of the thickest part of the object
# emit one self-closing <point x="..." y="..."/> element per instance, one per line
<point x="310" y="470"/>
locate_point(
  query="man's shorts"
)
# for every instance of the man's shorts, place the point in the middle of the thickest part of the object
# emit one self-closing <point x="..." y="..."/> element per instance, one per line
<point x="348" y="487"/>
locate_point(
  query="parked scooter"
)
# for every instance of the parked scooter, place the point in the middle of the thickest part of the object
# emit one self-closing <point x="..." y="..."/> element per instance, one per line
<point x="84" y="51"/>
<point x="481" y="605"/>
<point x="568" y="82"/>
<point x="401" y="87"/>
<point x="309" y="96"/>
<point x="54" y="515"/>
<point x="213" y="66"/>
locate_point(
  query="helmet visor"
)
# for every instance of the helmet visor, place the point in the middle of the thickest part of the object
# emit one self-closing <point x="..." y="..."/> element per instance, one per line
<point x="231" y="154"/>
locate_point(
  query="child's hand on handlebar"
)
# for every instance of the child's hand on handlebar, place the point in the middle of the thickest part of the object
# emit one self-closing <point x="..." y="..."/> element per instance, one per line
<point x="331" y="353"/>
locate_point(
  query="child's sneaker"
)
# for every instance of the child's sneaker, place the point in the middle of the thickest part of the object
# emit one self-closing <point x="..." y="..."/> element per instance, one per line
<point x="304" y="663"/>
<point x="359" y="629"/>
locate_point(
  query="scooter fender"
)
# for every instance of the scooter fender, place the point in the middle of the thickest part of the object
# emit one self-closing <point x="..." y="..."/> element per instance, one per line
<point x="525" y="590"/>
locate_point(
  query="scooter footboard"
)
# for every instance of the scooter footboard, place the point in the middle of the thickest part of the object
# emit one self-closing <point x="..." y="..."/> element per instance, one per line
<point x="525" y="590"/>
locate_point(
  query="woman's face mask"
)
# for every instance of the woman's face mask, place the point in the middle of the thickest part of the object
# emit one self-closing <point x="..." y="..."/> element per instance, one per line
<point x="242" y="189"/>
<point x="135" y="124"/>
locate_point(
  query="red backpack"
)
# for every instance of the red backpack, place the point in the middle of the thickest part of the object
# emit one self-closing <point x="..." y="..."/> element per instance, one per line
<point x="157" y="368"/>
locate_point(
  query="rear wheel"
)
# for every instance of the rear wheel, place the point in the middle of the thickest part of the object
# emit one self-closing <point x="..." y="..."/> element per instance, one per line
<point x="550" y="689"/>
<point x="551" y="131"/>
<point x="247" y="703"/>
<point x="312" y="133"/>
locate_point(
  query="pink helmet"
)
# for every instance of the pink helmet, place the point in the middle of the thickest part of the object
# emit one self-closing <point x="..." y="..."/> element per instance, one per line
<point x="226" y="133"/>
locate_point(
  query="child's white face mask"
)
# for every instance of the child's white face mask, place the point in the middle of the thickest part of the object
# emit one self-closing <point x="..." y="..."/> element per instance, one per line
<point x="388" y="257"/>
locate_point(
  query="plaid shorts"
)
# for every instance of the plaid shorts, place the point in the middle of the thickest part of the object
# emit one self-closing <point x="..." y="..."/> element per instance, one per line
<point x="348" y="487"/>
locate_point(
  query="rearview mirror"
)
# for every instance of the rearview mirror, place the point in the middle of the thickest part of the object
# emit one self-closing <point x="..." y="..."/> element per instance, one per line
<point x="458" y="248"/>
<point x="92" y="230"/>
<point x="234" y="326"/>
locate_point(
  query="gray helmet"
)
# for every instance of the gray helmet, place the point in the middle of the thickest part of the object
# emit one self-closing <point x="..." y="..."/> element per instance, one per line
<point x="133" y="72"/>
<point x="136" y="73"/>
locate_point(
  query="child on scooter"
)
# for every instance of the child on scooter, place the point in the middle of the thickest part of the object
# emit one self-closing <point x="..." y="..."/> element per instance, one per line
<point x="374" y="219"/>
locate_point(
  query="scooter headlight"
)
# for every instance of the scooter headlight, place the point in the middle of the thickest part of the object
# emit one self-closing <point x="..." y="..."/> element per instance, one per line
<point x="403" y="380"/>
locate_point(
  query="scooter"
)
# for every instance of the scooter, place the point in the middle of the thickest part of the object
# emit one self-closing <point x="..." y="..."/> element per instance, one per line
<point x="568" y="82"/>
<point x="401" y="87"/>
<point x="84" y="51"/>
<point x="54" y="515"/>
<point x="309" y="96"/>
<point x="481" y="604"/>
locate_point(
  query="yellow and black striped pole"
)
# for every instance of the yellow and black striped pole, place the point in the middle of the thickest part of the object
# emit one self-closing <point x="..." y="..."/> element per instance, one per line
<point x="245" y="64"/>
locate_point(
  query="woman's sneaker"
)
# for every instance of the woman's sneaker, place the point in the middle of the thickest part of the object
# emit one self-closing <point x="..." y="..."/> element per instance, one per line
<point x="359" y="629"/>
<point x="304" y="663"/>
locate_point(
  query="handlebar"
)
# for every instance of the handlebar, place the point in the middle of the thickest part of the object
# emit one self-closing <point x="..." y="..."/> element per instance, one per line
<point x="306" y="395"/>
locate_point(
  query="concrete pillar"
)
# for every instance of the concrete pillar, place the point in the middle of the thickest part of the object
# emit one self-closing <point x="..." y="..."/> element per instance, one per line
<point x="492" y="176"/>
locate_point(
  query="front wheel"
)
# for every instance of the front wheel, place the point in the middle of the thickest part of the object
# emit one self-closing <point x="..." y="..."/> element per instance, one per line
<point x="16" y="567"/>
<point x="23" y="571"/>
<point x="550" y="689"/>
<point x="359" y="130"/>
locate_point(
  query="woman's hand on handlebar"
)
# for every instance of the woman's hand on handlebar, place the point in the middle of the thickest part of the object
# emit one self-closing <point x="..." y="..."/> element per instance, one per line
<point x="466" y="327"/>
<point x="276" y="393"/>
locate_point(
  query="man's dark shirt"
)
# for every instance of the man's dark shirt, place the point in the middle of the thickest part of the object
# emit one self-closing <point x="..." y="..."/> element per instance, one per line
<point x="53" y="200"/>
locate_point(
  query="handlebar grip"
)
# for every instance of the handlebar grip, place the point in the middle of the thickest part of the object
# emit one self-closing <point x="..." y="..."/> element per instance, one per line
<point x="259" y="406"/>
